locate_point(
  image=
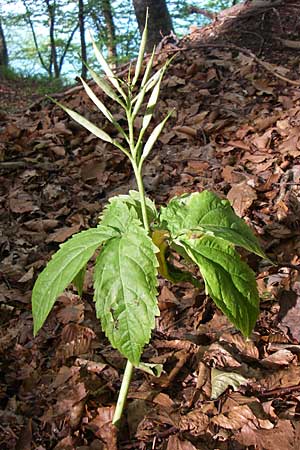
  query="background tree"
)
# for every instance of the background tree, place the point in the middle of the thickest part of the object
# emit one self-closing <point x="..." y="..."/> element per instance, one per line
<point x="3" y="51"/>
<point x="102" y="15"/>
<point x="56" y="17"/>
<point x="81" y="20"/>
<point x="159" y="24"/>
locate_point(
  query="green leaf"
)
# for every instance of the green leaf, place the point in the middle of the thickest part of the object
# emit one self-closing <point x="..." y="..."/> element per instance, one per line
<point x="117" y="214"/>
<point x="85" y="123"/>
<point x="63" y="268"/>
<point x="109" y="73"/>
<point x="106" y="88"/>
<point x="148" y="69"/>
<point x="152" y="102"/>
<point x="205" y="213"/>
<point x="152" y="369"/>
<point x="221" y="380"/>
<point x="79" y="280"/>
<point x="153" y="137"/>
<point x="228" y="280"/>
<point x="139" y="98"/>
<point x="97" y="101"/>
<point x="102" y="108"/>
<point x="133" y="199"/>
<point x="126" y="288"/>
<point x="140" y="58"/>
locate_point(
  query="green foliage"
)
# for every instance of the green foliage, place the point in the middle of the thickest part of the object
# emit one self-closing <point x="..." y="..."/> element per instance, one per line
<point x="125" y="281"/>
<point x="135" y="239"/>
<point x="63" y="268"/>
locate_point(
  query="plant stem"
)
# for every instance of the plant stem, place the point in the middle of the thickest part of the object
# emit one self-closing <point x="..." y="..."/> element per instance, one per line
<point x="123" y="393"/>
<point x="141" y="189"/>
<point x="129" y="367"/>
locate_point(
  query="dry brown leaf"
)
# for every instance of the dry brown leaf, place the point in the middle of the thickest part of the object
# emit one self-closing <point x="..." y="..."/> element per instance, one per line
<point x="280" y="358"/>
<point x="243" y="345"/>
<point x="103" y="428"/>
<point x="195" y="422"/>
<point x="281" y="379"/>
<point x="279" y="438"/>
<point x="241" y="197"/>
<point x="289" y="313"/>
<point x="21" y="202"/>
<point x="217" y="356"/>
<point x="174" y="443"/>
<point x="63" y="234"/>
<point x="235" y="419"/>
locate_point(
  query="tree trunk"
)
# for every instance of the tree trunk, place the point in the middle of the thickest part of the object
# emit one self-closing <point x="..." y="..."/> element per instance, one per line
<point x="3" y="50"/>
<point x="110" y="30"/>
<point x="82" y="38"/>
<point x="159" y="24"/>
<point x="53" y="61"/>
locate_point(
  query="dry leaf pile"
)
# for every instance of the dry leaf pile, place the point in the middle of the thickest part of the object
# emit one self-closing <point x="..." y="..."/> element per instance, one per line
<point x="235" y="130"/>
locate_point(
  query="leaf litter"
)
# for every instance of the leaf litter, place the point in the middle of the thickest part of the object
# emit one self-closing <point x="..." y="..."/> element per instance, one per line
<point x="235" y="130"/>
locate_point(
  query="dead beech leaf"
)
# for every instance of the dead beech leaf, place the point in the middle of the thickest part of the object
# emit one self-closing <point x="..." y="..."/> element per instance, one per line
<point x="263" y="87"/>
<point x="221" y="380"/>
<point x="174" y="443"/>
<point x="167" y="299"/>
<point x="235" y="419"/>
<point x="280" y="379"/>
<point x="289" y="313"/>
<point x="195" y="422"/>
<point x="71" y="313"/>
<point x="243" y="345"/>
<point x="63" y="234"/>
<point x="75" y="340"/>
<point x="27" y="276"/>
<point x="21" y="202"/>
<point x="281" y="437"/>
<point x="217" y="356"/>
<point x="280" y="358"/>
<point x="241" y="197"/>
<point x="41" y="224"/>
<point x="103" y="428"/>
<point x="186" y="131"/>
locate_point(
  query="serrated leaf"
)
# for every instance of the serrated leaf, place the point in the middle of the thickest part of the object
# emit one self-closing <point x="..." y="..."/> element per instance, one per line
<point x="85" y="123"/>
<point x="125" y="290"/>
<point x="133" y="199"/>
<point x="205" y="213"/>
<point x="154" y="136"/>
<point x="221" y="380"/>
<point x="228" y="280"/>
<point x="118" y="215"/>
<point x="63" y="268"/>
<point x="140" y="58"/>
<point x="105" y="66"/>
<point x="79" y="280"/>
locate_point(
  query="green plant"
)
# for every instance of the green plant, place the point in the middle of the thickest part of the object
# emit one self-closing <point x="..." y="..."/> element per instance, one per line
<point x="135" y="239"/>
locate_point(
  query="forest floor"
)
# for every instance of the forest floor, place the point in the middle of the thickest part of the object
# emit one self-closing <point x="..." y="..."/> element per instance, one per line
<point x="235" y="87"/>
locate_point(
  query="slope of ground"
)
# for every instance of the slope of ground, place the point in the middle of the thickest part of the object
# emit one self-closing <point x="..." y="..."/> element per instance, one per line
<point x="235" y="88"/>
